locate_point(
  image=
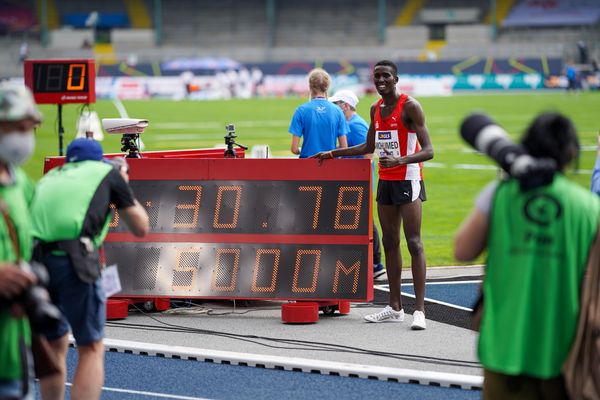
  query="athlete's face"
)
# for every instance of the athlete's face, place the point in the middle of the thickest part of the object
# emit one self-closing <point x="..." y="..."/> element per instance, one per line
<point x="384" y="79"/>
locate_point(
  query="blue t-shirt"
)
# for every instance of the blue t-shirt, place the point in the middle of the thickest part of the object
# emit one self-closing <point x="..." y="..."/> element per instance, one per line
<point x="596" y="177"/>
<point x="571" y="72"/>
<point x="358" y="132"/>
<point x="319" y="123"/>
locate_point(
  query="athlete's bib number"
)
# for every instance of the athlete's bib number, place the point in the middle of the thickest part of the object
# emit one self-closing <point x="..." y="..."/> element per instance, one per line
<point x="387" y="140"/>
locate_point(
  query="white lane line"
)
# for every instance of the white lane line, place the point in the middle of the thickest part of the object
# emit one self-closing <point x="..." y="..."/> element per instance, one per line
<point x="218" y="124"/>
<point x="121" y="108"/>
<point x="299" y="364"/>
<point x="446" y="283"/>
<point x="151" y="394"/>
<point x="385" y="288"/>
<point x="480" y="167"/>
<point x="188" y="125"/>
<point x="474" y="166"/>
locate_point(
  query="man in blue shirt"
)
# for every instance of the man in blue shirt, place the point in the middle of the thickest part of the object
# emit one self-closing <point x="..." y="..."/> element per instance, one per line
<point x="346" y="100"/>
<point x="318" y="122"/>
<point x="596" y="171"/>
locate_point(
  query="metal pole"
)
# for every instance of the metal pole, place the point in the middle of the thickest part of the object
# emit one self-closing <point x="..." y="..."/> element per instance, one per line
<point x="493" y="16"/>
<point x="158" y="22"/>
<point x="382" y="22"/>
<point x="44" y="22"/>
<point x="61" y="131"/>
<point x="271" y="19"/>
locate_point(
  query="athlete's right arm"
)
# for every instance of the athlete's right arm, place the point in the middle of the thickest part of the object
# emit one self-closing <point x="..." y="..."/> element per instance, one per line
<point x="364" y="148"/>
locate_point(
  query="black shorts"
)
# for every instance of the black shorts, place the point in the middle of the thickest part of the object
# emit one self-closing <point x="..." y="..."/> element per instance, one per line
<point x="393" y="193"/>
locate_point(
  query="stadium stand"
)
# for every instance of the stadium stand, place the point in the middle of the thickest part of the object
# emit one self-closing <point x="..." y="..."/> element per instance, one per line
<point x="303" y="30"/>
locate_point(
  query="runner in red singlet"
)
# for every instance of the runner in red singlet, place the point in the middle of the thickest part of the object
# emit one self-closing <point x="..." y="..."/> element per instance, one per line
<point x="399" y="137"/>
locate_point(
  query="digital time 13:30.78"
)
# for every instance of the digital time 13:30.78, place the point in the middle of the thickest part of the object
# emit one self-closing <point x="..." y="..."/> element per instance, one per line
<point x="253" y="207"/>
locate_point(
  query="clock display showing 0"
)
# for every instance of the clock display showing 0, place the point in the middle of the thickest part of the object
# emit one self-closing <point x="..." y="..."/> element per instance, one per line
<point x="253" y="207"/>
<point x="64" y="77"/>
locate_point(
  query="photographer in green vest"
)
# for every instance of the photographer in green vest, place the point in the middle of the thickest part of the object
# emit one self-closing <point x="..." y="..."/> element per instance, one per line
<point x="538" y="241"/>
<point x="71" y="213"/>
<point x="18" y="117"/>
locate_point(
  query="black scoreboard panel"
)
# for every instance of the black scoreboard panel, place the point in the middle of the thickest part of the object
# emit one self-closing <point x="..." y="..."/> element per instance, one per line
<point x="247" y="229"/>
<point x="242" y="270"/>
<point x="60" y="77"/>
<point x="253" y="207"/>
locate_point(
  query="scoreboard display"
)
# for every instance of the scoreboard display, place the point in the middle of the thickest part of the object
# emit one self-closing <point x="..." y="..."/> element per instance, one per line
<point x="61" y="81"/>
<point x="248" y="229"/>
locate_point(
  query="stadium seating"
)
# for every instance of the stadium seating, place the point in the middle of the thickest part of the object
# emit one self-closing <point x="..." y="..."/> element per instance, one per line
<point x="304" y="30"/>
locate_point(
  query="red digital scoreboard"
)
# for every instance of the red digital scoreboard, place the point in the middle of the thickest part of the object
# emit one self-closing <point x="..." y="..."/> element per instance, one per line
<point x="278" y="229"/>
<point x="61" y="81"/>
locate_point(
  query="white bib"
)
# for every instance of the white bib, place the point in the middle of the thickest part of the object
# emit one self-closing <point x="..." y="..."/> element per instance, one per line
<point x="387" y="140"/>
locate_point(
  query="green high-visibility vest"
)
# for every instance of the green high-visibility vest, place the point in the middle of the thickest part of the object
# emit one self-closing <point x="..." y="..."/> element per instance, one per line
<point x="14" y="331"/>
<point x="62" y="200"/>
<point x="538" y="245"/>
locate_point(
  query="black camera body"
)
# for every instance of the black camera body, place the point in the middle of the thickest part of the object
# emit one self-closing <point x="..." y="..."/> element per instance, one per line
<point x="483" y="134"/>
<point x="43" y="315"/>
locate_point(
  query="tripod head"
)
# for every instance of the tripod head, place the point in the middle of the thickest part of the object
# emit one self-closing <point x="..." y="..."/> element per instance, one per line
<point x="230" y="142"/>
<point x="129" y="144"/>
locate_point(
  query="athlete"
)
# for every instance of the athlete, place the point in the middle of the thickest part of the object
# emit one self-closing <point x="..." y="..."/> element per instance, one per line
<point x="399" y="136"/>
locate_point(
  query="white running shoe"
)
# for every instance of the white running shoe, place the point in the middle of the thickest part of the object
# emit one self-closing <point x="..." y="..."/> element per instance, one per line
<point x="388" y="314"/>
<point x="418" y="323"/>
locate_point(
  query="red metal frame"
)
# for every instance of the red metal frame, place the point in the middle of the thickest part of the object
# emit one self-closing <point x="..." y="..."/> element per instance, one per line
<point x="193" y="165"/>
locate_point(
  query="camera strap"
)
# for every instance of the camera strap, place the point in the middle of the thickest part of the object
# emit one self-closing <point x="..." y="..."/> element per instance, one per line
<point x="10" y="227"/>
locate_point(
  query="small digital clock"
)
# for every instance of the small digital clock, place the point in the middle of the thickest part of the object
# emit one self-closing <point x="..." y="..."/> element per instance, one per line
<point x="61" y="81"/>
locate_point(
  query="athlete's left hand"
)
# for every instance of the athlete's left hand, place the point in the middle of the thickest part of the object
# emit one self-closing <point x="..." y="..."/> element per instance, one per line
<point x="388" y="161"/>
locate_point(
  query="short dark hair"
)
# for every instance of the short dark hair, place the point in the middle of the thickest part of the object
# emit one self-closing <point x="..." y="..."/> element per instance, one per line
<point x="387" y="63"/>
<point x="552" y="135"/>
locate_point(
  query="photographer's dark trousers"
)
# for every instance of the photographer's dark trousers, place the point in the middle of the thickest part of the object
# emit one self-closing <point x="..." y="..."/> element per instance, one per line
<point x="83" y="304"/>
<point x="500" y="387"/>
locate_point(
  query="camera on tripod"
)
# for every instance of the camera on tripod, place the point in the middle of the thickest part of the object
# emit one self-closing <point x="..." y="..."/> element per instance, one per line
<point x="230" y="142"/>
<point x="131" y="129"/>
<point x="43" y="315"/>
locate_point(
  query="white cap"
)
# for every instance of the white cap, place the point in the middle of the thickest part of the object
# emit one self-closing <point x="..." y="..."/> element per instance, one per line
<point x="16" y="103"/>
<point x="347" y="96"/>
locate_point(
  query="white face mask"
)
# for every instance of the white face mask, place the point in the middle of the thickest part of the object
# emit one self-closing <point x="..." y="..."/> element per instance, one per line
<point x="16" y="147"/>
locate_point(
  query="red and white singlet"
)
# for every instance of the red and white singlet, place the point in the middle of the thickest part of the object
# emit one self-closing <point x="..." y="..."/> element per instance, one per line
<point x="392" y="135"/>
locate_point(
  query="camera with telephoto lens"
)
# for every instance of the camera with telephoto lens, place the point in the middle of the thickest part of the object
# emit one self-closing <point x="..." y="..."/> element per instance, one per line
<point x="483" y="134"/>
<point x="35" y="300"/>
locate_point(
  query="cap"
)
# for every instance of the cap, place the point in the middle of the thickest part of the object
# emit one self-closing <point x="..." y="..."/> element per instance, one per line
<point x="83" y="149"/>
<point x="16" y="103"/>
<point x="347" y="96"/>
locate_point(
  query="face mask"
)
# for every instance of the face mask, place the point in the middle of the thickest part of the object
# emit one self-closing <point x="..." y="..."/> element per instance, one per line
<point x="16" y="147"/>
